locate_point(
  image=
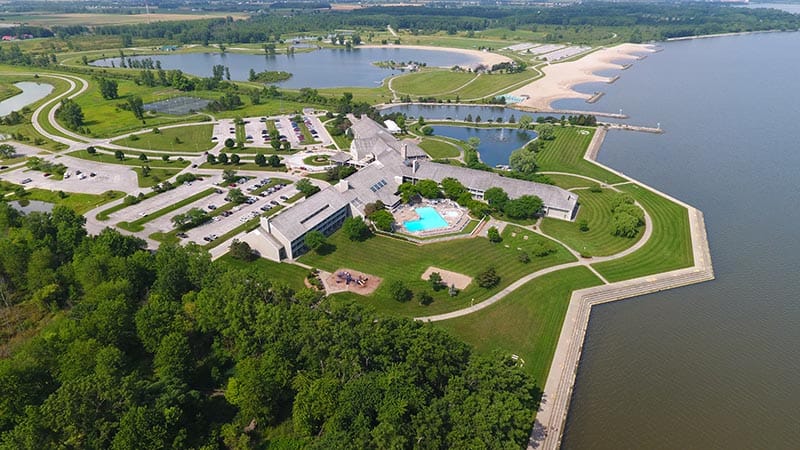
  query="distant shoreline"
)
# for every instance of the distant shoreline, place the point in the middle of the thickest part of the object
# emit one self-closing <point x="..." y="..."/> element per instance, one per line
<point x="707" y="36"/>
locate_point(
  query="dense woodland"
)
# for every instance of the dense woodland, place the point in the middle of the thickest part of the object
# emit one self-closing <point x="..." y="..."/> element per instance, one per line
<point x="169" y="350"/>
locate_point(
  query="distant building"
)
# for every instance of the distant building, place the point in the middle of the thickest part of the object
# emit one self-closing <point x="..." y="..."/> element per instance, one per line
<point x="385" y="163"/>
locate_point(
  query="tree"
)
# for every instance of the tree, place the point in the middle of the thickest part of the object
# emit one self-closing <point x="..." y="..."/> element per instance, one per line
<point x="494" y="235"/>
<point x="165" y="158"/>
<point x="399" y="291"/>
<point x="260" y="160"/>
<point x="488" y="278"/>
<point x="286" y="146"/>
<point x="525" y="122"/>
<point x="383" y="220"/>
<point x="315" y="240"/>
<point x="524" y="207"/>
<point x="91" y="150"/>
<point x="230" y="143"/>
<point x="274" y="161"/>
<point x="306" y="187"/>
<point x="236" y="196"/>
<point x="142" y="157"/>
<point x="583" y="225"/>
<point x="522" y="161"/>
<point x="241" y="250"/>
<point x="190" y="219"/>
<point x="108" y="89"/>
<point x="429" y="189"/>
<point x="136" y="106"/>
<point x="496" y="198"/>
<point x="223" y="158"/>
<point x="453" y="189"/>
<point x="235" y="158"/>
<point x="408" y="191"/>
<point x="546" y="131"/>
<point x="211" y="159"/>
<point x="229" y="175"/>
<point x="70" y="113"/>
<point x="7" y="151"/>
<point x="355" y="228"/>
<point x="119" y="155"/>
<point x="435" y="280"/>
<point x="424" y="298"/>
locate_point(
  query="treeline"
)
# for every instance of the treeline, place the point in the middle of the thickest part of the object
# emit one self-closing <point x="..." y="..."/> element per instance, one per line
<point x="638" y="21"/>
<point x="171" y="350"/>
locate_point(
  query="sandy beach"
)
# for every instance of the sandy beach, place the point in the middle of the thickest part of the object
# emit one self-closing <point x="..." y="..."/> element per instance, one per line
<point x="560" y="78"/>
<point x="486" y="58"/>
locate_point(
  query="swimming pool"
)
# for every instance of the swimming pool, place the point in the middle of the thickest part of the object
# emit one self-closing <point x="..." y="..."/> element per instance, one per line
<point x="429" y="219"/>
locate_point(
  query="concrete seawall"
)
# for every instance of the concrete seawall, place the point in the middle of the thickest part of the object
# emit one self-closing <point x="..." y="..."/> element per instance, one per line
<point x="548" y="428"/>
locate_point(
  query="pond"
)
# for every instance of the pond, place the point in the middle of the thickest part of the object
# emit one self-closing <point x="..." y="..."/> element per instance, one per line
<point x="323" y="68"/>
<point x="496" y="143"/>
<point x="31" y="93"/>
<point x="29" y="206"/>
<point x="441" y="111"/>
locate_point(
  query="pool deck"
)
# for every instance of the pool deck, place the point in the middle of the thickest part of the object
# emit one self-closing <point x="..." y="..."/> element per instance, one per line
<point x="455" y="216"/>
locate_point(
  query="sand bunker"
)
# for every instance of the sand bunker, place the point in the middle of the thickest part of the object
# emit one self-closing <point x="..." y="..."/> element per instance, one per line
<point x="449" y="278"/>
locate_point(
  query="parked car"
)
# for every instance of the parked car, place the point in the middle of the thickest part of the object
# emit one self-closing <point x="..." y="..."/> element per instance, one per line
<point x="26" y="181"/>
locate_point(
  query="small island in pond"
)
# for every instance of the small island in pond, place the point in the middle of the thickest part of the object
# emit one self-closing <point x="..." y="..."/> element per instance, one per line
<point x="268" y="76"/>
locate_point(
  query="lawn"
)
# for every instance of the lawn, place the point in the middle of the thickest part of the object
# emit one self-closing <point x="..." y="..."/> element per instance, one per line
<point x="565" y="154"/>
<point x="495" y="84"/>
<point x="194" y="138"/>
<point x="342" y="141"/>
<point x="78" y="202"/>
<point x="156" y="176"/>
<point x="569" y="182"/>
<point x="138" y="224"/>
<point x="669" y="247"/>
<point x="289" y="274"/>
<point x="431" y="83"/>
<point x="595" y="208"/>
<point x="527" y="322"/>
<point x="437" y="148"/>
<point x="8" y="90"/>
<point x="394" y="259"/>
<point x="317" y="160"/>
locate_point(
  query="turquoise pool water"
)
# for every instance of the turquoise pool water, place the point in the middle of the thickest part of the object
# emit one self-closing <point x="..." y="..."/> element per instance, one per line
<point x="429" y="219"/>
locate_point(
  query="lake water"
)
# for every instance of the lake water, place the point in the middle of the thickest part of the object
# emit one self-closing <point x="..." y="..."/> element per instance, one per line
<point x="32" y="92"/>
<point x="716" y="365"/>
<point x="496" y="143"/>
<point x="443" y="111"/>
<point x="317" y="69"/>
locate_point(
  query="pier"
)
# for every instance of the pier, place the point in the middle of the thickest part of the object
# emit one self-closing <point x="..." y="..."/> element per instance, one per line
<point x="625" y="126"/>
<point x="597" y="96"/>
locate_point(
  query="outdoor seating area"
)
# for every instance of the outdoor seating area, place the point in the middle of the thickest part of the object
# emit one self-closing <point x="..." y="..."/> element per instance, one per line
<point x="348" y="280"/>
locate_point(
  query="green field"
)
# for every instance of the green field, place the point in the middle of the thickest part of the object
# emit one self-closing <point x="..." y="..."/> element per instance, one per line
<point x="669" y="247"/>
<point x="435" y="82"/>
<point x="569" y="182"/>
<point x="565" y="154"/>
<point x="438" y="148"/>
<point x="496" y="84"/>
<point x="8" y="90"/>
<point x="138" y="224"/>
<point x="154" y="159"/>
<point x="595" y="208"/>
<point x="194" y="138"/>
<point x="393" y="259"/>
<point x="527" y="322"/>
<point x="156" y="176"/>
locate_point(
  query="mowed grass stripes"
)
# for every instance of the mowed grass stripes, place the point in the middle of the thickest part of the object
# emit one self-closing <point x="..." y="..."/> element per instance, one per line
<point x="595" y="208"/>
<point x="669" y="247"/>
<point x="393" y="260"/>
<point x="565" y="154"/>
<point x="527" y="322"/>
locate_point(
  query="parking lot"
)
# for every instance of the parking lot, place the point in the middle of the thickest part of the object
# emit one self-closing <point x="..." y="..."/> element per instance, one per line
<point x="106" y="177"/>
<point x="162" y="201"/>
<point x="222" y="131"/>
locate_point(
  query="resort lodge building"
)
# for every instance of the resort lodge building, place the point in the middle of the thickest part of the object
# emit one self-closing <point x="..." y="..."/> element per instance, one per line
<point x="385" y="163"/>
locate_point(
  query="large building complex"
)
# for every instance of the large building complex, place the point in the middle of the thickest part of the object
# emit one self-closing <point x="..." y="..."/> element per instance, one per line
<point x="386" y="162"/>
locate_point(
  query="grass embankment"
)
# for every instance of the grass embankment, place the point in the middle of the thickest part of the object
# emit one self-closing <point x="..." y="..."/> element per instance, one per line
<point x="527" y="322"/>
<point x="341" y="141"/>
<point x="565" y="154"/>
<point x="289" y="274"/>
<point x="397" y="260"/>
<point x="78" y="202"/>
<point x="8" y="90"/>
<point x="153" y="159"/>
<point x="438" y="148"/>
<point x="569" y="182"/>
<point x="669" y="247"/>
<point x="598" y="240"/>
<point x="138" y="224"/>
<point x="191" y="138"/>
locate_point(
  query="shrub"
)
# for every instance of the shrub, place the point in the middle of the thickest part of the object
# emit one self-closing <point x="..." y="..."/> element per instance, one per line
<point x="399" y="291"/>
<point x="583" y="225"/>
<point x="242" y="250"/>
<point x="488" y="278"/>
<point x="494" y="235"/>
<point x="424" y="298"/>
<point x="524" y="258"/>
<point x="435" y="279"/>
